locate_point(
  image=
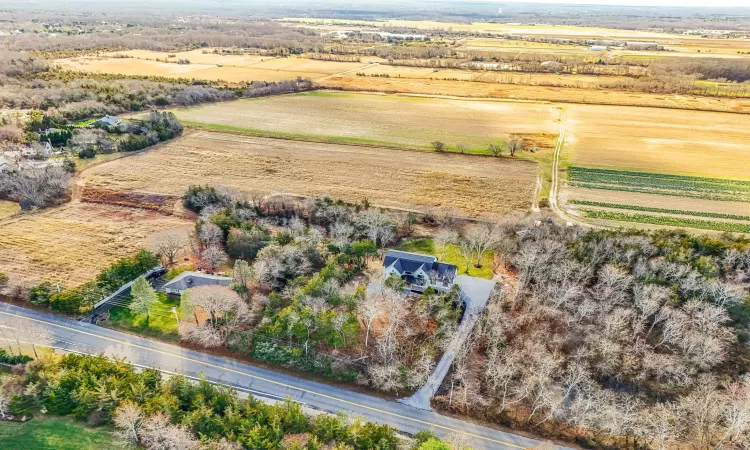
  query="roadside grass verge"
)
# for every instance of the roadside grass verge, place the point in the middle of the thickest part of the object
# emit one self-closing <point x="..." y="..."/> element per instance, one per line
<point x="661" y="184"/>
<point x="48" y="432"/>
<point x="160" y="324"/>
<point x="668" y="221"/>
<point x="660" y="210"/>
<point x="452" y="256"/>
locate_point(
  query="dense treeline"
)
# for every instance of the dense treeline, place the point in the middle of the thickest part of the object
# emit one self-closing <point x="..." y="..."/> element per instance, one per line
<point x="176" y="413"/>
<point x="622" y="338"/>
<point x="27" y="83"/>
<point x="267" y="36"/>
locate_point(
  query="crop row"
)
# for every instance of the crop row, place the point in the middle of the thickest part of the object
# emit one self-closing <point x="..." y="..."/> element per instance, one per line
<point x="656" y="181"/>
<point x="661" y="210"/>
<point x="669" y="221"/>
<point x="675" y="193"/>
<point x="609" y="174"/>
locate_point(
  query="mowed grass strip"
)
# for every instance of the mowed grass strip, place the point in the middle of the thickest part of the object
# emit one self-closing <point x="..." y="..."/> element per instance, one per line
<point x="453" y="256"/>
<point x="681" y="212"/>
<point x="53" y="433"/>
<point x="668" y="221"/>
<point x="161" y="322"/>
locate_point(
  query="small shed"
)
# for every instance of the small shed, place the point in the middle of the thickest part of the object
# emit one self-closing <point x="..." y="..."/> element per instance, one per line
<point x="188" y="280"/>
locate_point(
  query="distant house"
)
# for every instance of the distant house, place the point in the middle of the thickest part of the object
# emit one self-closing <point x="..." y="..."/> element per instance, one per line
<point x="37" y="150"/>
<point x="109" y="121"/>
<point x="598" y="48"/>
<point x="419" y="271"/>
<point x="187" y="280"/>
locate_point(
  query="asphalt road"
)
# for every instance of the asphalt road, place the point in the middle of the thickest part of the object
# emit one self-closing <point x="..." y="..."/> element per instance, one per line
<point x="92" y="339"/>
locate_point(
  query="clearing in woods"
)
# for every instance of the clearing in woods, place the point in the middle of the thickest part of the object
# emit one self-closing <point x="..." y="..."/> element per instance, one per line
<point x="386" y="177"/>
<point x="382" y="119"/>
<point x="70" y="244"/>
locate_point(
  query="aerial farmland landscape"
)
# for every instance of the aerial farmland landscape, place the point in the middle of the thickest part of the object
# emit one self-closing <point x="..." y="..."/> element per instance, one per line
<point x="424" y="225"/>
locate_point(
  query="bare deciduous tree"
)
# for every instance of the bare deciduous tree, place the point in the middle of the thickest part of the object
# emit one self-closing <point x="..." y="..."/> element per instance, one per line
<point x="168" y="245"/>
<point x="515" y="144"/>
<point x="443" y="238"/>
<point x="128" y="418"/>
<point x="158" y="433"/>
<point x="213" y="258"/>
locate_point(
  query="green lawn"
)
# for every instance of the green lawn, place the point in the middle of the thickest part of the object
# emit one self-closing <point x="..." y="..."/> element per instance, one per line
<point x="452" y="255"/>
<point x="45" y="432"/>
<point x="161" y="324"/>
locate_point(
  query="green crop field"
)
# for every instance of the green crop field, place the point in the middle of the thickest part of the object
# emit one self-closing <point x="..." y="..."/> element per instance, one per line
<point x="662" y="184"/>
<point x="681" y="212"/>
<point x="668" y="221"/>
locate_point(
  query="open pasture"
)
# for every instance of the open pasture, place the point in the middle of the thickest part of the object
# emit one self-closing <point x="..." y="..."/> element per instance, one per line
<point x="483" y="27"/>
<point x="386" y="177"/>
<point x="692" y="143"/>
<point x="205" y="66"/>
<point x="70" y="244"/>
<point x="382" y="120"/>
<point x="425" y="86"/>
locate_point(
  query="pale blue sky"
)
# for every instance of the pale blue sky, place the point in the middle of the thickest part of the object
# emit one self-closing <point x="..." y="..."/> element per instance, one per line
<point x="680" y="3"/>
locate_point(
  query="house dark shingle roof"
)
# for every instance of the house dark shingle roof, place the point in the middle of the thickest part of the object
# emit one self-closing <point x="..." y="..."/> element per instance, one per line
<point x="187" y="280"/>
<point x="411" y="262"/>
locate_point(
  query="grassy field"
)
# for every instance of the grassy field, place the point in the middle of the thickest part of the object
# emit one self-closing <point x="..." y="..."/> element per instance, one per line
<point x="380" y="119"/>
<point x="351" y="82"/>
<point x="702" y="144"/>
<point x="53" y="433"/>
<point x="8" y="208"/>
<point x="386" y="177"/>
<point x="160" y="323"/>
<point x="206" y="66"/>
<point x="452" y="256"/>
<point x="72" y="243"/>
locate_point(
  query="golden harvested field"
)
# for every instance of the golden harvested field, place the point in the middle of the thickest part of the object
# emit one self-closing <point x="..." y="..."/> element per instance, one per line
<point x="8" y="208"/>
<point x="381" y="119"/>
<point x="695" y="143"/>
<point x="72" y="243"/>
<point x="350" y="82"/>
<point x="490" y="76"/>
<point x="501" y="28"/>
<point x="236" y="68"/>
<point x="386" y="177"/>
